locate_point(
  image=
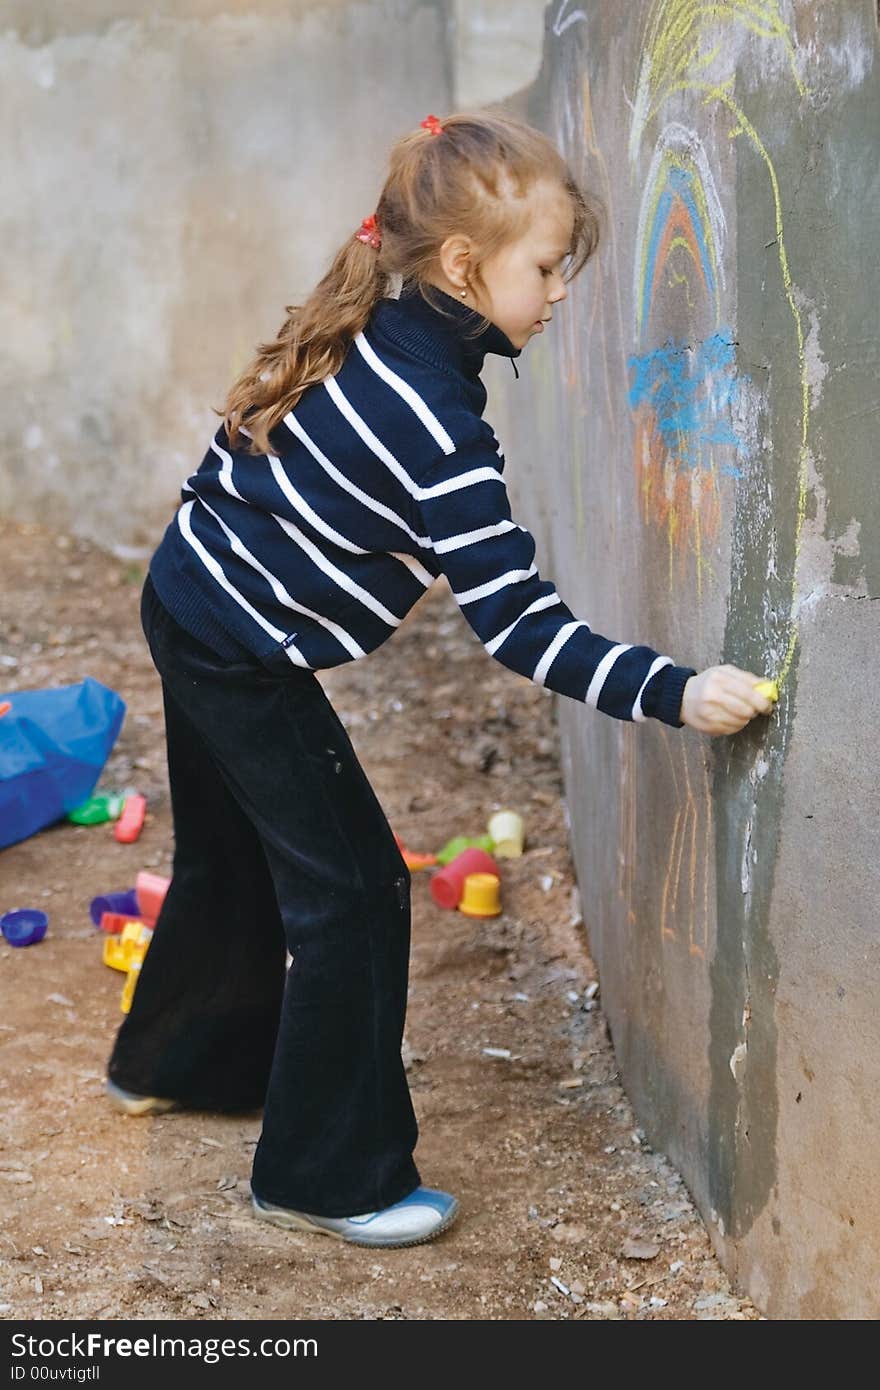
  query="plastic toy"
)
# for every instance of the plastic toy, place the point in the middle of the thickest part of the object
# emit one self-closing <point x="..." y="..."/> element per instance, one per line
<point x="447" y="886"/>
<point x="103" y="807"/>
<point x="126" y="903"/>
<point x="54" y="745"/>
<point x="481" y="896"/>
<point x="150" y="890"/>
<point x="24" y="927"/>
<point x="131" y="822"/>
<point x="130" y="985"/>
<point x="132" y="943"/>
<point x="414" y="859"/>
<point x="114" y="923"/>
<point x="506" y="829"/>
<point x="455" y="846"/>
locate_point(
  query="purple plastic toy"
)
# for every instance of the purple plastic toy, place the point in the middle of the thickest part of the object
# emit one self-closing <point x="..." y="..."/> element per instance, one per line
<point x="125" y="903"/>
<point x="24" y="927"/>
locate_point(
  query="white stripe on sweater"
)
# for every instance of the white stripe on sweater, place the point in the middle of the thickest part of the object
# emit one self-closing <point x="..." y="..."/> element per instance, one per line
<point x="493" y="585"/>
<point x="240" y="549"/>
<point x="547" y="601"/>
<point x="215" y="570"/>
<point x="348" y="486"/>
<point x="602" y="672"/>
<point x="474" y="537"/>
<point x="225" y="474"/>
<point x="299" y="504"/>
<point x="362" y="429"/>
<point x="418" y="572"/>
<point x="474" y="475"/>
<point x="638" y="713"/>
<point x="554" y="648"/>
<point x="406" y="393"/>
<point x="342" y="579"/>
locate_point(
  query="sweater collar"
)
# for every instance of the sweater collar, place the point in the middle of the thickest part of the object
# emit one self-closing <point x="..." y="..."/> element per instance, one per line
<point x="445" y="337"/>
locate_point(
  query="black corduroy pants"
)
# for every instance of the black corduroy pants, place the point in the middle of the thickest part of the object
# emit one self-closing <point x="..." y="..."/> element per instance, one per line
<point x="280" y="845"/>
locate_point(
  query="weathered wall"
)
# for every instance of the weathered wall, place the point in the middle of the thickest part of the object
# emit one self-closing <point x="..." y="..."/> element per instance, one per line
<point x="171" y="176"/>
<point x="694" y="445"/>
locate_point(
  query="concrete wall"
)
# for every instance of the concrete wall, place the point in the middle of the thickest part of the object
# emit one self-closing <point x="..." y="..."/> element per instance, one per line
<point x="496" y="49"/>
<point x="171" y="177"/>
<point x="694" y="445"/>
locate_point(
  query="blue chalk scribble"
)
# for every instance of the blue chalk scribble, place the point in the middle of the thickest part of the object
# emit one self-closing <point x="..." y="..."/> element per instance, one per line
<point x="691" y="391"/>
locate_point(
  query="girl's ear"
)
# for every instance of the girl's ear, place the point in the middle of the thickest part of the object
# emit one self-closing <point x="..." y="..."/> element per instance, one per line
<point x="455" y="259"/>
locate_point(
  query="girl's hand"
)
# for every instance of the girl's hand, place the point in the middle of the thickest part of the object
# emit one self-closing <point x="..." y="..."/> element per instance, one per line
<point x="722" y="700"/>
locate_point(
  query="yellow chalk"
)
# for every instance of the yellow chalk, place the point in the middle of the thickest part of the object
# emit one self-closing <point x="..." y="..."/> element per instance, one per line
<point x="768" y="688"/>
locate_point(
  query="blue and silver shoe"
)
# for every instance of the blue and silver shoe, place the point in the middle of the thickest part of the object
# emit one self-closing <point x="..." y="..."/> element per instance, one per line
<point x="419" y="1217"/>
<point x="127" y="1103"/>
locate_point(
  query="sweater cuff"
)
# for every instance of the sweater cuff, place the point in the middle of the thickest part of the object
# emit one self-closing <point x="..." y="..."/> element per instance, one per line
<point x="662" y="697"/>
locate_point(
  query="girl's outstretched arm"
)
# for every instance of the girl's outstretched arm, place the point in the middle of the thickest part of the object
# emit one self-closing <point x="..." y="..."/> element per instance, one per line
<point x="519" y="617"/>
<point x="521" y="620"/>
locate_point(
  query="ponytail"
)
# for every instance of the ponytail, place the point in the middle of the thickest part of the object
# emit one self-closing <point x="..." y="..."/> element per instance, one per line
<point x="310" y="345"/>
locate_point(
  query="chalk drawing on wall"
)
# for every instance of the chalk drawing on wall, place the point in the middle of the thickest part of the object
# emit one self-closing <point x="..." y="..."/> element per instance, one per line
<point x="684" y="387"/>
<point x="680" y="207"/>
<point x="691" y="47"/>
<point x="683" y="911"/>
<point x="682" y="392"/>
<point x="684" y="39"/>
<point x="564" y="21"/>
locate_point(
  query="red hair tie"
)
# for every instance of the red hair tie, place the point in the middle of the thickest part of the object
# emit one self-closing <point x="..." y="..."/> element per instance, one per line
<point x="431" y="123"/>
<point x="369" y="232"/>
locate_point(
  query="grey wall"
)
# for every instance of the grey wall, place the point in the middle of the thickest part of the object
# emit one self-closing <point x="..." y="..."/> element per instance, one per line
<point x="693" y="444"/>
<point x="171" y="177"/>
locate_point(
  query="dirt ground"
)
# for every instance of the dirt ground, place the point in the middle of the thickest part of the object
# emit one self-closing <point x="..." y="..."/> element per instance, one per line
<point x="565" y="1211"/>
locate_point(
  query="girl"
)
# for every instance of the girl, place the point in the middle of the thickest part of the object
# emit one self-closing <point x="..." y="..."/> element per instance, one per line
<point x="352" y="468"/>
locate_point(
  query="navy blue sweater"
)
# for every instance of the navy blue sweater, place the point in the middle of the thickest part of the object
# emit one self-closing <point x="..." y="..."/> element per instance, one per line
<point x="383" y="477"/>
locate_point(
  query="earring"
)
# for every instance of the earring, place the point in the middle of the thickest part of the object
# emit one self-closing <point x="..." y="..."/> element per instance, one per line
<point x="463" y="293"/>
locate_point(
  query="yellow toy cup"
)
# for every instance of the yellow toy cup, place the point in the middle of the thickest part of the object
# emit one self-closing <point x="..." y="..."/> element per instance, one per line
<point x="506" y="829"/>
<point x="481" y="896"/>
<point x="131" y="944"/>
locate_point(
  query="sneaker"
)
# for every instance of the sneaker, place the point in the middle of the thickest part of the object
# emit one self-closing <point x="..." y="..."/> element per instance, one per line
<point x="419" y="1217"/>
<point x="128" y="1103"/>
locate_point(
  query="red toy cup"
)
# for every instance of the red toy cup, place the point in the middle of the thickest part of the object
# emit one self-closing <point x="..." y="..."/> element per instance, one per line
<point x="113" y="922"/>
<point x="447" y="885"/>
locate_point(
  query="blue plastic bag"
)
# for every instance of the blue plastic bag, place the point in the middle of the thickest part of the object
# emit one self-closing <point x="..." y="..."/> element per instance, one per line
<point x="53" y="745"/>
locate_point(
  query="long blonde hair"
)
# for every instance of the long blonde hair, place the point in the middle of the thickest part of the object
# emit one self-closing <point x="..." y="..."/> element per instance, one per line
<point x="473" y="178"/>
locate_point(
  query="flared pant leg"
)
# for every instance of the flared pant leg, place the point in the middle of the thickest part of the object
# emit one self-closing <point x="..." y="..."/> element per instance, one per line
<point x="280" y="842"/>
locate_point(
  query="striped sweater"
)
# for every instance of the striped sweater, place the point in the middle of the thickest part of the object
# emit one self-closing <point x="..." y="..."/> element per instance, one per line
<point x="383" y="477"/>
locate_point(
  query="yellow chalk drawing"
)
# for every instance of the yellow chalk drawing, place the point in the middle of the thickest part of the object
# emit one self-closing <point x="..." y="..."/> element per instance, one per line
<point x="720" y="94"/>
<point x="671" y="51"/>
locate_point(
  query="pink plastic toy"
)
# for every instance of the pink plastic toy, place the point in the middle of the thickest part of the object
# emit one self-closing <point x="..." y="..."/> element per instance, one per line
<point x="150" y="890"/>
<point x="131" y="822"/>
<point x="447" y="885"/>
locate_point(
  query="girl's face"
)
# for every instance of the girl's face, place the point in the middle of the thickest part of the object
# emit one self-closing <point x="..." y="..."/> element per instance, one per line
<point x="524" y="279"/>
